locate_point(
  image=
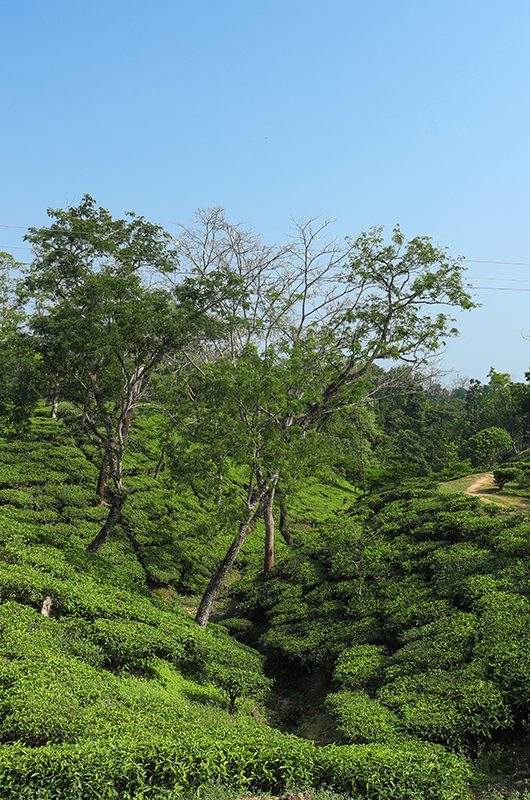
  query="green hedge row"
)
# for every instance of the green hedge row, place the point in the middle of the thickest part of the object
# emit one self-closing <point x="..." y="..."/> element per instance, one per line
<point x="249" y="760"/>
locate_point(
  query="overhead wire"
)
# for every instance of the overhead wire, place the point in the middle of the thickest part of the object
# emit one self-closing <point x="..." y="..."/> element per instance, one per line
<point x="508" y="263"/>
<point x="467" y="260"/>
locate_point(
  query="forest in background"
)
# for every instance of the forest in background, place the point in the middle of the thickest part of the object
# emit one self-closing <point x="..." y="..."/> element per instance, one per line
<point x="211" y="429"/>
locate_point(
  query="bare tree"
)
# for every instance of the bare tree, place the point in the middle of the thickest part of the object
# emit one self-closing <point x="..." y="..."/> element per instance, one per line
<point x="310" y="322"/>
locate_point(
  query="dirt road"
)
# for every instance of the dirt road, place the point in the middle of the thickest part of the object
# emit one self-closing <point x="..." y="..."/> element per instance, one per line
<point x="484" y="487"/>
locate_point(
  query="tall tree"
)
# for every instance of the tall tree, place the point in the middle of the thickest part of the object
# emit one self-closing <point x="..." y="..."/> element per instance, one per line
<point x="322" y="316"/>
<point x="109" y="308"/>
<point x="499" y="403"/>
<point x="19" y="363"/>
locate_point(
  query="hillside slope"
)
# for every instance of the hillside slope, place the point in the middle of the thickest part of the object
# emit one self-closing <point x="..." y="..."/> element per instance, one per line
<point x="118" y="694"/>
<point x="412" y="617"/>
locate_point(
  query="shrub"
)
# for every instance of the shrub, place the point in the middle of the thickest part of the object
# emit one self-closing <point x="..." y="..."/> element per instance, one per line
<point x="412" y="770"/>
<point x="47" y="700"/>
<point x="126" y="644"/>
<point x="248" y="759"/>
<point x="238" y="683"/>
<point x="454" y="708"/>
<point x="361" y="719"/>
<point x="503" y="475"/>
<point x="410" y="602"/>
<point x="503" y="644"/>
<point x="70" y="495"/>
<point x="442" y="644"/>
<point x="453" y="565"/>
<point x="359" y="665"/>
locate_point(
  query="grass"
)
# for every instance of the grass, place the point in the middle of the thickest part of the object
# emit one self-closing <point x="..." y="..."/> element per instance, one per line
<point x="461" y="484"/>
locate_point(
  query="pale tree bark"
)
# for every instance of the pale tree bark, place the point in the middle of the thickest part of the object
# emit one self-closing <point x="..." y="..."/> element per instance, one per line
<point x="161" y="461"/>
<point x="46" y="607"/>
<point x="255" y="508"/>
<point x="111" y="521"/>
<point x="284" y="520"/>
<point x="102" y="488"/>
<point x="118" y="432"/>
<point x="54" y="398"/>
<point x="268" y="516"/>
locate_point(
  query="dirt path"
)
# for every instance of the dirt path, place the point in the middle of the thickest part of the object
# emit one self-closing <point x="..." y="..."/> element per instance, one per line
<point x="484" y="487"/>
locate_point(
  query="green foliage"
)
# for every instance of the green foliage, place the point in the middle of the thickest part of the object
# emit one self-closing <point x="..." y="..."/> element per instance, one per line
<point x="359" y="665"/>
<point x="258" y="760"/>
<point x="442" y="644"/>
<point x="420" y="427"/>
<point x="504" y="644"/>
<point x="19" y="364"/>
<point x="454" y="564"/>
<point x="102" y="327"/>
<point x="420" y="600"/>
<point x="456" y="708"/>
<point x="120" y="694"/>
<point x="484" y="448"/>
<point x="238" y="683"/>
<point x="362" y="719"/>
<point x="414" y="604"/>
<point x="503" y="475"/>
<point x="414" y="770"/>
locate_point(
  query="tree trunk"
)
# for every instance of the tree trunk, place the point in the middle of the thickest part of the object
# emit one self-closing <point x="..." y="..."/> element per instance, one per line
<point x="46" y="607"/>
<point x="219" y="499"/>
<point x="255" y="511"/>
<point x="102" y="488"/>
<point x="268" y="516"/>
<point x="284" y="525"/>
<point x="112" y="518"/>
<point x="55" y="408"/>
<point x="150" y="582"/>
<point x="160" y="464"/>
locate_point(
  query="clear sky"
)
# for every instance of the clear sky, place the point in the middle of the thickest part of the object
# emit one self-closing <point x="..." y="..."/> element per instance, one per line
<point x="367" y="111"/>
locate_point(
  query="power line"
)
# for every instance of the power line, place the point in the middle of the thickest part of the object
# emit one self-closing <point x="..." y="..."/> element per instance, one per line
<point x="467" y="260"/>
<point x="479" y="288"/>
<point x="510" y="263"/>
<point x="508" y="280"/>
<point x="503" y="288"/>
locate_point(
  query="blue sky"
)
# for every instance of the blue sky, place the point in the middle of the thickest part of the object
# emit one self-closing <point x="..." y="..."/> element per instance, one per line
<point x="370" y="112"/>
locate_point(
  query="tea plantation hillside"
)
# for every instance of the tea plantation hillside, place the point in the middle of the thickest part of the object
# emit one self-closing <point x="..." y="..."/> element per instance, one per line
<point x="413" y="618"/>
<point x="118" y="693"/>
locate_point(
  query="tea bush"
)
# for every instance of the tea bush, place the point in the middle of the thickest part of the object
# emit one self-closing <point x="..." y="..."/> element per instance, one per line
<point x="120" y="695"/>
<point x="257" y="760"/>
<point x="503" y="645"/>
<point x="362" y="719"/>
<point x="420" y="599"/>
<point x="442" y="644"/>
<point x="359" y="665"/>
<point x="454" y="708"/>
